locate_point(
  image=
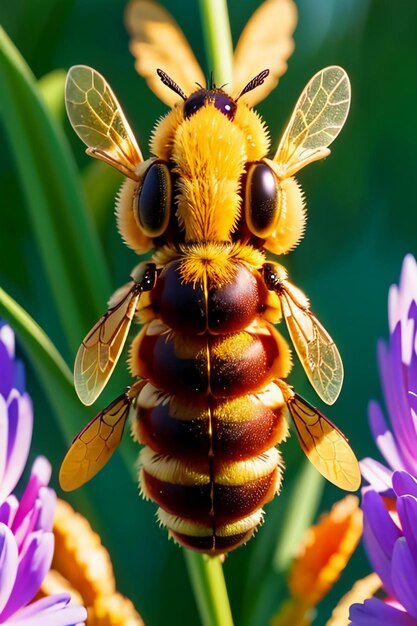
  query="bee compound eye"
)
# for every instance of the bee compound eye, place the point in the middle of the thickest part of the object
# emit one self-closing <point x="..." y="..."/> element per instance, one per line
<point x="262" y="200"/>
<point x="195" y="102"/>
<point x="154" y="200"/>
<point x="225" y="104"/>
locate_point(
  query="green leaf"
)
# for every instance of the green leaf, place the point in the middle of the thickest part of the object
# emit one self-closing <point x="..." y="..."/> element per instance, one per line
<point x="51" y="88"/>
<point x="54" y="374"/>
<point x="67" y="243"/>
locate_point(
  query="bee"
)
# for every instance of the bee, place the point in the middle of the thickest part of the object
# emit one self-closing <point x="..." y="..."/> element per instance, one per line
<point x="210" y="401"/>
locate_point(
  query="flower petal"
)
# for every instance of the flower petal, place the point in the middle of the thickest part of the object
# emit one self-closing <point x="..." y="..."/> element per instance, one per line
<point x="7" y="338"/>
<point x="8" y="564"/>
<point x="31" y="571"/>
<point x="390" y="366"/>
<point x="7" y="371"/>
<point x="361" y="591"/>
<point x="375" y="612"/>
<point x="8" y="510"/>
<point x="380" y="534"/>
<point x="404" y="484"/>
<point x="4" y="438"/>
<point x="52" y="611"/>
<point x="404" y="576"/>
<point x="20" y="418"/>
<point x="40" y="475"/>
<point x="384" y="438"/>
<point x="400" y="298"/>
<point x="407" y="512"/>
<point x="377" y="475"/>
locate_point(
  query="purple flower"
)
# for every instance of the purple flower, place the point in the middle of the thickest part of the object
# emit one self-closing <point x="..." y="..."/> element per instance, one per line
<point x="392" y="551"/>
<point x="26" y="538"/>
<point x="398" y="368"/>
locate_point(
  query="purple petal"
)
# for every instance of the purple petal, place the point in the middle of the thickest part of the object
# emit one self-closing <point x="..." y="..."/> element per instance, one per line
<point x="377" y="475"/>
<point x="40" y="475"/>
<point x="374" y="612"/>
<point x="383" y="437"/>
<point x="7" y="371"/>
<point x="407" y="511"/>
<point x="23" y="531"/>
<point x="7" y="338"/>
<point x="412" y="370"/>
<point x="19" y="439"/>
<point x="19" y="377"/>
<point x="52" y="611"/>
<point x="380" y="534"/>
<point x="8" y="564"/>
<point x="396" y="400"/>
<point x="32" y="570"/>
<point x="4" y="437"/>
<point x="404" y="576"/>
<point x="39" y="517"/>
<point x="404" y="484"/>
<point x="8" y="510"/>
<point x="400" y="298"/>
<point x="47" y="498"/>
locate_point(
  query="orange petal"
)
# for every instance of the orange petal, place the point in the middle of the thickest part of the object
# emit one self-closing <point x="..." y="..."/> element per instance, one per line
<point x="114" y="610"/>
<point x="80" y="556"/>
<point x="325" y="550"/>
<point x="292" y="613"/>
<point x="361" y="591"/>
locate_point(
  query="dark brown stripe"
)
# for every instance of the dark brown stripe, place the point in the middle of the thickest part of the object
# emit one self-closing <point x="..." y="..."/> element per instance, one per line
<point x="177" y="364"/>
<point x="168" y="435"/>
<point x="212" y="545"/>
<point x="191" y="502"/>
<point x="232" y="503"/>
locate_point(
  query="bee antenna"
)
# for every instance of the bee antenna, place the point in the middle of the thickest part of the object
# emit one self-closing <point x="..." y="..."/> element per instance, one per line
<point x="167" y="80"/>
<point x="254" y="83"/>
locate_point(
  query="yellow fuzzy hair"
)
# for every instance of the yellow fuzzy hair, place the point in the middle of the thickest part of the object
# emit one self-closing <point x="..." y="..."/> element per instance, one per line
<point x="209" y="155"/>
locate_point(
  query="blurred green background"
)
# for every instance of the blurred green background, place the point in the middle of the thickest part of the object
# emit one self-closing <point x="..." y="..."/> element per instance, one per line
<point x="362" y="220"/>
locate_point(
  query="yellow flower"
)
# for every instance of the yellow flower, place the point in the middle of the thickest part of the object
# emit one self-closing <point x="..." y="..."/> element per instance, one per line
<point x="82" y="567"/>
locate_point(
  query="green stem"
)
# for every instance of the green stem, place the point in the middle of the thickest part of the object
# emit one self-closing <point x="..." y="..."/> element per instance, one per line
<point x="218" y="39"/>
<point x="207" y="580"/>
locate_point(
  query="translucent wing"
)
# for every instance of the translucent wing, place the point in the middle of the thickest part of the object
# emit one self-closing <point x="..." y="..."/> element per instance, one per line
<point x="99" y="352"/>
<point x="158" y="42"/>
<point x="98" y="120"/>
<point x="318" y="118"/>
<point x="94" y="445"/>
<point x="325" y="446"/>
<point x="265" y="43"/>
<point x="316" y="349"/>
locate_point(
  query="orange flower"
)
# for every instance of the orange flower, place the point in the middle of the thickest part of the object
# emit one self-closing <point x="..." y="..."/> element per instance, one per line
<point x="325" y="550"/>
<point x="82" y="567"/>
<point x="323" y="554"/>
<point x="361" y="591"/>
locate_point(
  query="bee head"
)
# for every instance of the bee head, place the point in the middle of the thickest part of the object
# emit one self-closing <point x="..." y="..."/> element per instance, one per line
<point x="215" y="95"/>
<point x="219" y="98"/>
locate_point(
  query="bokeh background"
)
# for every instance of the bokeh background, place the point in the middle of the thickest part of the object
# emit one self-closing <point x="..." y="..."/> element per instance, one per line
<point x="362" y="220"/>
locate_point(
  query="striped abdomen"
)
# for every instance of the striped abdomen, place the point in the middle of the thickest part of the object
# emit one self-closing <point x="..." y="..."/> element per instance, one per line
<point x="209" y="412"/>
